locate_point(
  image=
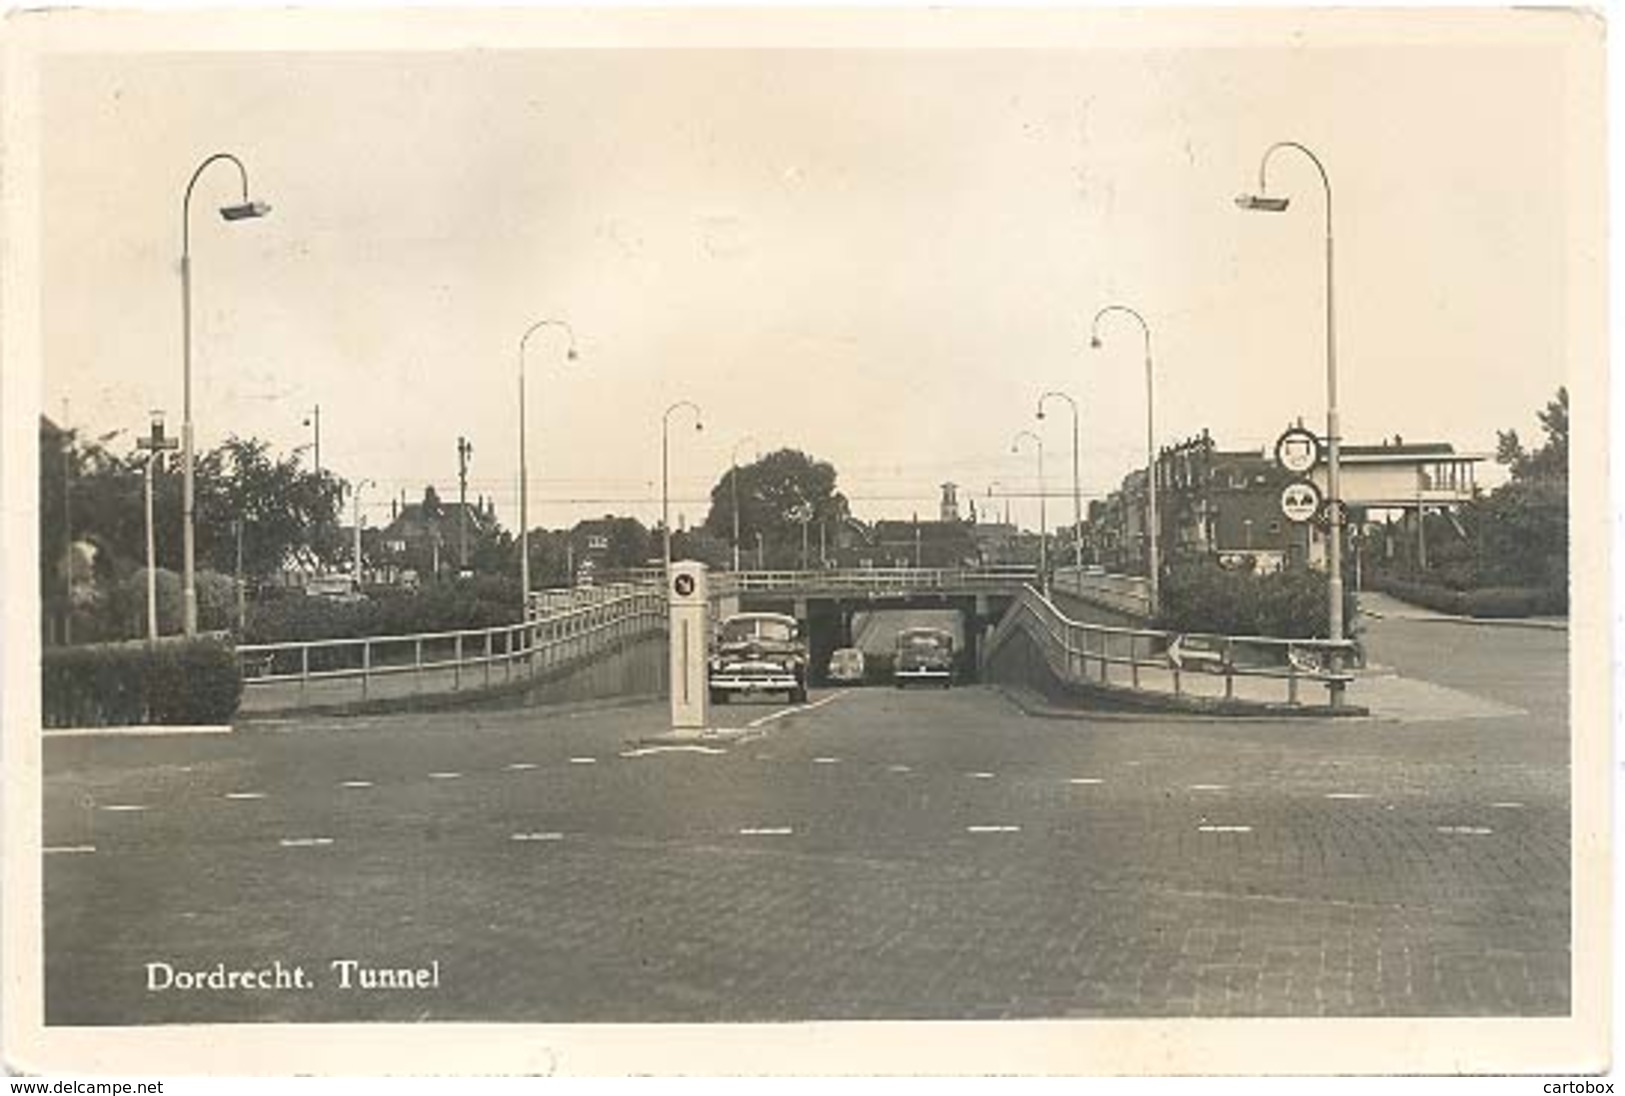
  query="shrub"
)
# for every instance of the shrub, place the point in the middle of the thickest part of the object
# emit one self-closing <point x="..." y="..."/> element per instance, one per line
<point x="174" y="681"/>
<point x="1202" y="596"/>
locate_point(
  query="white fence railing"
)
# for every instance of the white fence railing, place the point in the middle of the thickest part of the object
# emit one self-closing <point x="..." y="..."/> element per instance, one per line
<point x="1256" y="669"/>
<point x="565" y="631"/>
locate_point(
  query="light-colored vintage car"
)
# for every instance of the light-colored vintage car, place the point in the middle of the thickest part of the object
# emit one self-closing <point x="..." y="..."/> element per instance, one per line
<point x="758" y="653"/>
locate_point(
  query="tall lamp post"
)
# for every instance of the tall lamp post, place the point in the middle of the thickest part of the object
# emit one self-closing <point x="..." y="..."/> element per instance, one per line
<point x="665" y="473"/>
<point x="1043" y="516"/>
<point x="1152" y="561"/>
<point x="155" y="443"/>
<point x="733" y="483"/>
<point x="243" y="210"/>
<point x="1077" y="493"/>
<point x="357" y="514"/>
<point x="1261" y="203"/>
<point x="524" y="472"/>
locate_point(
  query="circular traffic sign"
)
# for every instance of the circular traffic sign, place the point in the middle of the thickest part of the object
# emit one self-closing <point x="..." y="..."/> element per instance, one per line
<point x="683" y="584"/>
<point x="1300" y="501"/>
<point x="1297" y="450"/>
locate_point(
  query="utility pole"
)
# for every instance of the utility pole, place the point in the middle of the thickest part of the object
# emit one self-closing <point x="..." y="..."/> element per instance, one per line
<point x="156" y="443"/>
<point x="464" y="451"/>
<point x="67" y="528"/>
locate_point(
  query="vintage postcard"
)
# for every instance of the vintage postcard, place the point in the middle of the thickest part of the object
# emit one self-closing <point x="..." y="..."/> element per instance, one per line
<point x="806" y="541"/>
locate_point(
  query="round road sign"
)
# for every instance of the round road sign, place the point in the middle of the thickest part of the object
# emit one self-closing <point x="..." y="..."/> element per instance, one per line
<point x="683" y="584"/>
<point x="1300" y="501"/>
<point x="1297" y="450"/>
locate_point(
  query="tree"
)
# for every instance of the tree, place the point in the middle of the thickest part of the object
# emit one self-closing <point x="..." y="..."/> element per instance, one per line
<point x="1523" y="526"/>
<point x="776" y="494"/>
<point x="287" y="513"/>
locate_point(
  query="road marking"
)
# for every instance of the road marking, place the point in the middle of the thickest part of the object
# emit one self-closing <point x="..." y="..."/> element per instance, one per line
<point x="122" y="807"/>
<point x="1208" y="788"/>
<point x="782" y="712"/>
<point x="356" y="784"/>
<point x="766" y="831"/>
<point x="445" y="776"/>
<point x="1475" y="831"/>
<point x="1086" y="780"/>
<point x="583" y="761"/>
<point x="992" y="829"/>
<point x="1224" y="829"/>
<point x="826" y="761"/>
<point x="520" y="765"/>
<point x="898" y="769"/>
<point x="304" y="842"/>
<point x="1348" y="795"/>
<point x="53" y="849"/>
<point x="245" y="795"/>
<point x="1508" y="806"/>
<point x="549" y="836"/>
<point x="980" y="776"/>
<point x="645" y="751"/>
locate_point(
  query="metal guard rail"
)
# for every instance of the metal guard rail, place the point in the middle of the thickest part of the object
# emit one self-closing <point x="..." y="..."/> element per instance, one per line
<point x="539" y="644"/>
<point x="1154" y="661"/>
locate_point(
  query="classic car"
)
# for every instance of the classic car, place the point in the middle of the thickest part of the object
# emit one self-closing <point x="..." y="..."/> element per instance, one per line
<point x="924" y="654"/>
<point x="758" y="653"/>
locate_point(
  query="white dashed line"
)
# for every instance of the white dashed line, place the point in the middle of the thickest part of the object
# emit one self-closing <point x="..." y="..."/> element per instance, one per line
<point x="356" y="784"/>
<point x="766" y="831"/>
<point x="549" y="836"/>
<point x="992" y="829"/>
<point x="645" y="751"/>
<point x="980" y="776"/>
<point x="1224" y="829"/>
<point x="304" y="842"/>
<point x="1086" y="780"/>
<point x="826" y="761"/>
<point x="51" y="850"/>
<point x="583" y="761"/>
<point x="898" y="769"/>
<point x="1208" y="788"/>
<point x="245" y="795"/>
<point x="782" y="712"/>
<point x="445" y="776"/>
<point x="1348" y="795"/>
<point x="1473" y="831"/>
<point x="123" y="807"/>
<point x="519" y="766"/>
<point x="1509" y="806"/>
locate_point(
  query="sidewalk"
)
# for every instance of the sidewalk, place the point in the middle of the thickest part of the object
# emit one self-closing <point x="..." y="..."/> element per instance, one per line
<point x="1380" y="606"/>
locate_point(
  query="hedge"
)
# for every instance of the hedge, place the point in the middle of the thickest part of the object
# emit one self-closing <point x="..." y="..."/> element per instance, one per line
<point x="1204" y="597"/>
<point x="176" y="681"/>
<point x="1487" y="602"/>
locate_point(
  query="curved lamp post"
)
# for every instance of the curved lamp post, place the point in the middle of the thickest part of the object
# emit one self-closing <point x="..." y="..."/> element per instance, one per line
<point x="1043" y="517"/>
<point x="1260" y="202"/>
<point x="1077" y="494"/>
<point x="665" y="473"/>
<point x="1152" y="561"/>
<point x="357" y="513"/>
<point x="733" y="483"/>
<point x="524" y="472"/>
<point x="243" y="210"/>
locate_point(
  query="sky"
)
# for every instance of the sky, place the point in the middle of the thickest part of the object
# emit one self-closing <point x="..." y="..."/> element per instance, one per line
<point x="881" y="256"/>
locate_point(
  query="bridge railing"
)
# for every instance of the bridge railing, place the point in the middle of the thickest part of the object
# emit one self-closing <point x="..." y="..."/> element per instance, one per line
<point x="1256" y="669"/>
<point x="1126" y="593"/>
<point x="874" y="579"/>
<point x="368" y="666"/>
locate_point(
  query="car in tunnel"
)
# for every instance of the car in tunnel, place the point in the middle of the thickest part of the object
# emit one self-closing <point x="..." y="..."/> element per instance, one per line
<point x="846" y="665"/>
<point x="758" y="653"/>
<point x="924" y="654"/>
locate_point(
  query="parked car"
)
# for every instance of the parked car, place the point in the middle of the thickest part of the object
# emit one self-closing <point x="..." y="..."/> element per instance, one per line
<point x="340" y="588"/>
<point x="924" y="654"/>
<point x="846" y="666"/>
<point x="758" y="653"/>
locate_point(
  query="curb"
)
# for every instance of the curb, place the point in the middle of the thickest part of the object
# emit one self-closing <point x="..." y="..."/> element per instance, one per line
<point x="1035" y="706"/>
<point x="1492" y="622"/>
<point x="137" y="730"/>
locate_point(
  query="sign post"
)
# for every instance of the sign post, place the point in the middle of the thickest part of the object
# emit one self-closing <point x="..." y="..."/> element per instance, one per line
<point x="689" y="635"/>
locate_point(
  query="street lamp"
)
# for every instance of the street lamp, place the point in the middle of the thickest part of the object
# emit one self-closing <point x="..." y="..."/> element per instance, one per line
<point x="315" y="420"/>
<point x="244" y="210"/>
<point x="665" y="473"/>
<point x="733" y="483"/>
<point x="1043" y="518"/>
<point x="155" y="443"/>
<point x="524" y="473"/>
<point x="1077" y="494"/>
<point x="1260" y="202"/>
<point x="358" y="487"/>
<point x="1153" y="565"/>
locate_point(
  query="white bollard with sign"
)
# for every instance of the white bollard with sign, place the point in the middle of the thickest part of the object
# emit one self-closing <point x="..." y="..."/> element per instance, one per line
<point x="690" y="636"/>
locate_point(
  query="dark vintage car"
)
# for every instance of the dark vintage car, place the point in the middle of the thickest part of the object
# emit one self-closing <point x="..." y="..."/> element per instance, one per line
<point x="924" y="654"/>
<point x="758" y="653"/>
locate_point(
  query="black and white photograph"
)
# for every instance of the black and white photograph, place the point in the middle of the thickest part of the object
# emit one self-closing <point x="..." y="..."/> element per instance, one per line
<point x="774" y="541"/>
